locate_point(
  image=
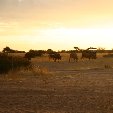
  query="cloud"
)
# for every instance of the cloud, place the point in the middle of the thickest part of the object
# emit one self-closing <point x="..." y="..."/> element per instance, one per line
<point x="72" y="12"/>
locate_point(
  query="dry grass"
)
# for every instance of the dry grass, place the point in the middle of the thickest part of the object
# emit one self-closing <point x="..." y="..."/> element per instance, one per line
<point x="17" y="54"/>
<point x="59" y="87"/>
<point x="41" y="66"/>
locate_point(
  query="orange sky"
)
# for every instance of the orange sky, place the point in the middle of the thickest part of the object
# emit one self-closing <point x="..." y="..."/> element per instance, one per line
<point x="56" y="24"/>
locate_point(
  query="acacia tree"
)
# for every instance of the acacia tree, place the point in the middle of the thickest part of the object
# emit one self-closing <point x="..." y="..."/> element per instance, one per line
<point x="6" y="49"/>
<point x="77" y="48"/>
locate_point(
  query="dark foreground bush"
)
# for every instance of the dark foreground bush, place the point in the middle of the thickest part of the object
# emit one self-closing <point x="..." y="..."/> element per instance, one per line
<point x="8" y="63"/>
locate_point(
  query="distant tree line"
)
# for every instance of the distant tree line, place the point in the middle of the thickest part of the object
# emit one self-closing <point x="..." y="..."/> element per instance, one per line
<point x="9" y="50"/>
<point x="34" y="53"/>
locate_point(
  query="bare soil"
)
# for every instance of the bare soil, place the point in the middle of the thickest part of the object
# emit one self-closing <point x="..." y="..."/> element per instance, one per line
<point x="60" y="87"/>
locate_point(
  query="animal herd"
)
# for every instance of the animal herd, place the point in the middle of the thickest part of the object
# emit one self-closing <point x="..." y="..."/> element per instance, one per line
<point x="73" y="56"/>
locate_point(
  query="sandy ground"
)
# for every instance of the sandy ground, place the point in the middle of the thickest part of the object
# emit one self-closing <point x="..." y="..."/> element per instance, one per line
<point x="82" y="87"/>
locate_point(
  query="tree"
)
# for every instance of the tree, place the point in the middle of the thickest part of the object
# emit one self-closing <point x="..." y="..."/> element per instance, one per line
<point x="101" y="50"/>
<point x="6" y="50"/>
<point x="49" y="51"/>
<point x="76" y="48"/>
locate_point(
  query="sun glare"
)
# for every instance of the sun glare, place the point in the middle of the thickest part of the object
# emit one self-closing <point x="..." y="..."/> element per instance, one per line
<point x="72" y="37"/>
<point x="58" y="24"/>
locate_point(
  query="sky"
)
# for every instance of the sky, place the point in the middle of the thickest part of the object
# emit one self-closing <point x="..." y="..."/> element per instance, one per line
<point x="56" y="24"/>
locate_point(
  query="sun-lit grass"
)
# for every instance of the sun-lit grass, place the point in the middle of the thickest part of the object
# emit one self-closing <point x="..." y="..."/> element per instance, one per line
<point x="42" y="67"/>
<point x="57" y="85"/>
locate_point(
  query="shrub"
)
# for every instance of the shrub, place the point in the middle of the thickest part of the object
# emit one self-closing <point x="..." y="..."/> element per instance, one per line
<point x="11" y="62"/>
<point x="5" y="63"/>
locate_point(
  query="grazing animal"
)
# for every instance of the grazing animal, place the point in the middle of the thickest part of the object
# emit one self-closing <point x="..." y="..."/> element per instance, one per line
<point x="88" y="54"/>
<point x="51" y="56"/>
<point x="28" y="55"/>
<point x="55" y="56"/>
<point x="73" y="56"/>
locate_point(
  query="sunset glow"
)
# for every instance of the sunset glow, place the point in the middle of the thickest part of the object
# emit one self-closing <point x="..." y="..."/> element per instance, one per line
<point x="56" y="24"/>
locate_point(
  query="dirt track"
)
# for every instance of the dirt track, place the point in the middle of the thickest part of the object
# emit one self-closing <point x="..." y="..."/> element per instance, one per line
<point x="63" y="90"/>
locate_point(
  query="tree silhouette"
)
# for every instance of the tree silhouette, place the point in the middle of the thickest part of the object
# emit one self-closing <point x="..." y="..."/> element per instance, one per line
<point x="77" y="49"/>
<point x="6" y="49"/>
<point x="49" y="51"/>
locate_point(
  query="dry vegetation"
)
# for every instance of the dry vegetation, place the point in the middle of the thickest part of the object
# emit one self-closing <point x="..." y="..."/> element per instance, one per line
<point x="59" y="87"/>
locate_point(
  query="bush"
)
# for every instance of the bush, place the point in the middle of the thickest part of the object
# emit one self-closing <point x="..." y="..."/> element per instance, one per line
<point x="5" y="63"/>
<point x="9" y="62"/>
<point x="34" y="53"/>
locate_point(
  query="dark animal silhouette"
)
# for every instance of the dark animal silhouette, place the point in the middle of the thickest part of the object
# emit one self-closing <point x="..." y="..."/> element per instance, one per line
<point x="55" y="56"/>
<point x="89" y="54"/>
<point x="28" y="55"/>
<point x="73" y="56"/>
